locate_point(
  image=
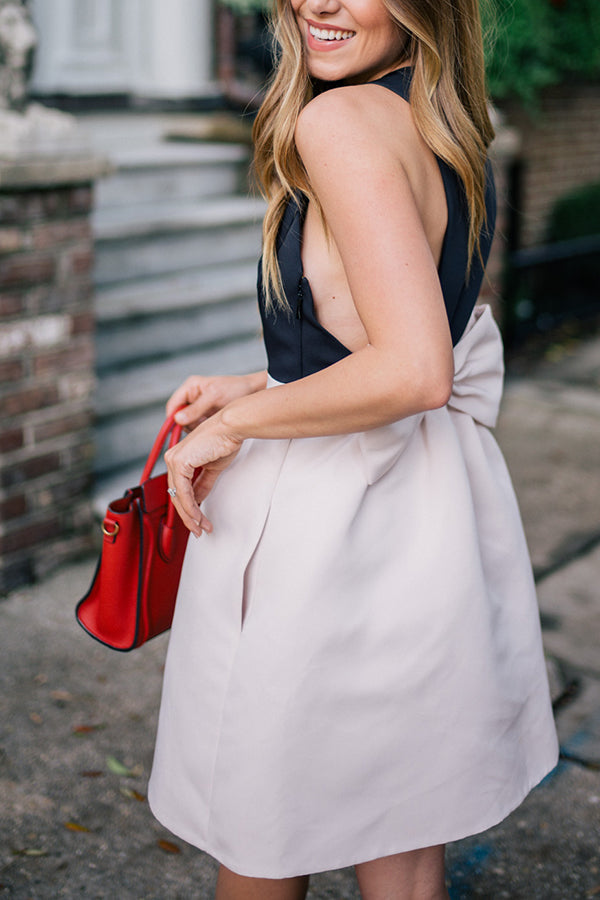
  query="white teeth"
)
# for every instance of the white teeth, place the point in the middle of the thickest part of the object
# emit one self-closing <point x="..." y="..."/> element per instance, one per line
<point x="323" y="34"/>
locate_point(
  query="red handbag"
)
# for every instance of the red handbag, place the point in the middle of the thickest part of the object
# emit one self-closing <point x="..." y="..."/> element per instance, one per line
<point x="132" y="596"/>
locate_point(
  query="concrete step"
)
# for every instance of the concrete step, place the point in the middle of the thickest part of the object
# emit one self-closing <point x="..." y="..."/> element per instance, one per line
<point x="149" y="240"/>
<point x="132" y="342"/>
<point x="173" y="172"/>
<point x="175" y="292"/>
<point x="130" y="403"/>
<point x="154" y="318"/>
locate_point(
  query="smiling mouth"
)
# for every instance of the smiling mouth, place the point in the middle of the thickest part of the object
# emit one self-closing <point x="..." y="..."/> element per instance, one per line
<point x="330" y="34"/>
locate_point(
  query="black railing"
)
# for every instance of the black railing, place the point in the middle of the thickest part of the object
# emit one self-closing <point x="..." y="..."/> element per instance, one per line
<point x="551" y="283"/>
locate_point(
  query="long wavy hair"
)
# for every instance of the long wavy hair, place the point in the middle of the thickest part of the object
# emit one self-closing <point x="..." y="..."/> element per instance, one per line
<point x="448" y="99"/>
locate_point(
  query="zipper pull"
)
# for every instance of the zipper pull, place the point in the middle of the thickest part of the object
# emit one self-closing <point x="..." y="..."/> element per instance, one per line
<point x="300" y="296"/>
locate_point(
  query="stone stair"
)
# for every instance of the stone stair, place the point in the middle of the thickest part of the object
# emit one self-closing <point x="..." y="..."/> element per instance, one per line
<point x="177" y="239"/>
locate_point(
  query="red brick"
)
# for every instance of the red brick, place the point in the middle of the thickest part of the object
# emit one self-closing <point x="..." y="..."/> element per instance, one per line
<point x="49" y="234"/>
<point x="82" y="452"/>
<point x="26" y="269"/>
<point x="53" y="203"/>
<point x="69" y="358"/>
<point x="19" y="207"/>
<point x="80" y="199"/>
<point x="11" y="370"/>
<point x="81" y="261"/>
<point x="57" y="427"/>
<point x="83" y="323"/>
<point x="28" y="469"/>
<point x="28" y="399"/>
<point x="11" y="440"/>
<point x="11" y="208"/>
<point x="73" y="293"/>
<point x="13" y="507"/>
<point x="64" y="493"/>
<point x="11" y="240"/>
<point x="29" y="535"/>
<point x="11" y="305"/>
<point x="560" y="149"/>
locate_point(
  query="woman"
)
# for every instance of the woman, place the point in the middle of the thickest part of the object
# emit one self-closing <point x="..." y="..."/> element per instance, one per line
<point x="355" y="673"/>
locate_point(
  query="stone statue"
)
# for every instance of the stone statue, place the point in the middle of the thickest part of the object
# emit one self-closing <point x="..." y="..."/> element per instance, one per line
<point x="17" y="42"/>
<point x="28" y="130"/>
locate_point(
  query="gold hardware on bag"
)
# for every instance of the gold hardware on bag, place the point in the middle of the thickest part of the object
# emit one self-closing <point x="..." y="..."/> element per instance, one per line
<point x="108" y="533"/>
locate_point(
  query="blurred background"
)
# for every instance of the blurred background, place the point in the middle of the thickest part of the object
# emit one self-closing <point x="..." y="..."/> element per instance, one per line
<point x="129" y="232"/>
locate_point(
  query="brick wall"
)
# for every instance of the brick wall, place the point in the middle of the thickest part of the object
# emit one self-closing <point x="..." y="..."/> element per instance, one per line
<point x="46" y="378"/>
<point x="560" y="150"/>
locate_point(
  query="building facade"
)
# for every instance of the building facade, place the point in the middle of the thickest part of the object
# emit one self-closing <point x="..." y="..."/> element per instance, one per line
<point x="139" y="49"/>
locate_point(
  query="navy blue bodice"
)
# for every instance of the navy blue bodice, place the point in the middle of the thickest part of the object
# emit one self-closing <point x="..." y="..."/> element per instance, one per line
<point x="297" y="344"/>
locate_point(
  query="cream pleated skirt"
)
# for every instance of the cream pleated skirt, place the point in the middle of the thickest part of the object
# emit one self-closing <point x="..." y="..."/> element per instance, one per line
<point x="355" y="667"/>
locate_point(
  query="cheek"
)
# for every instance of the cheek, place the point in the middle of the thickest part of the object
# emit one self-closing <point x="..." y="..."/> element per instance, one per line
<point x="390" y="37"/>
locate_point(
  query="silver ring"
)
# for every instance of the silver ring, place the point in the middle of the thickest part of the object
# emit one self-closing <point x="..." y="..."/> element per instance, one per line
<point x="172" y="492"/>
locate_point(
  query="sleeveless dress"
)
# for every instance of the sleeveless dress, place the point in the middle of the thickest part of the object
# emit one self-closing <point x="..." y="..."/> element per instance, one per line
<point x="355" y="666"/>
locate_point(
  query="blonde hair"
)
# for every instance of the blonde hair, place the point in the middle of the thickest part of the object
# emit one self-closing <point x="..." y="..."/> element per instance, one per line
<point x="447" y="96"/>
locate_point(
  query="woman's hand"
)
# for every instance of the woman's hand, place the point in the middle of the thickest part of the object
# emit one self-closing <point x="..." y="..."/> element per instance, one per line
<point x="205" y="396"/>
<point x="210" y="448"/>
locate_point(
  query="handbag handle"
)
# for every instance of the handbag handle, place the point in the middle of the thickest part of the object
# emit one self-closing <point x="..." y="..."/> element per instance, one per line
<point x="169" y="426"/>
<point x="167" y="529"/>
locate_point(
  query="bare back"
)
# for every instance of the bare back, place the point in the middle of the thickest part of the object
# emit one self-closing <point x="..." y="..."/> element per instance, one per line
<point x="391" y="123"/>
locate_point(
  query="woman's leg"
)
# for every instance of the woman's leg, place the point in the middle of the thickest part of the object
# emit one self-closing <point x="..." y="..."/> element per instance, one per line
<point x="415" y="875"/>
<point x="238" y="887"/>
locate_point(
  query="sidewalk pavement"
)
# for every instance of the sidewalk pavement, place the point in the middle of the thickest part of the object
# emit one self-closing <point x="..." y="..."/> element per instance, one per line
<point x="77" y="720"/>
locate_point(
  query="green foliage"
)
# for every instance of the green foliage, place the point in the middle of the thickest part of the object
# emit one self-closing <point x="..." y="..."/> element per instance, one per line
<point x="576" y="214"/>
<point x="531" y="44"/>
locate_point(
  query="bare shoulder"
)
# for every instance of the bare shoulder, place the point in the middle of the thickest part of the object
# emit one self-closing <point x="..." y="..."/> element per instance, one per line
<point x="365" y="119"/>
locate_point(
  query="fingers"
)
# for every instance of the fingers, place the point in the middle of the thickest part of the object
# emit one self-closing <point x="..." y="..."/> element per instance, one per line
<point x="184" y="500"/>
<point x="193" y="414"/>
<point x="204" y="484"/>
<point x="206" y="448"/>
<point x="186" y="393"/>
<point x="196" y="396"/>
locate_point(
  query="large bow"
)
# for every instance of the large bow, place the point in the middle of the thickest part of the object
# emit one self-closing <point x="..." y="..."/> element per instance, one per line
<point x="476" y="391"/>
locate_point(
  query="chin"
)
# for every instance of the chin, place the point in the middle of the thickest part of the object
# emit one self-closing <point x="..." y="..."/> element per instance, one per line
<point x="323" y="71"/>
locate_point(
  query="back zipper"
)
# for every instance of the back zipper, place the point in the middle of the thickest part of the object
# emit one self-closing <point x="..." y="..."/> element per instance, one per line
<point x="300" y="298"/>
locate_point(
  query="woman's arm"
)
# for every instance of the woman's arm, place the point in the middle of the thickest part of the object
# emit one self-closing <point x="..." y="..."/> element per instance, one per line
<point x="352" y="158"/>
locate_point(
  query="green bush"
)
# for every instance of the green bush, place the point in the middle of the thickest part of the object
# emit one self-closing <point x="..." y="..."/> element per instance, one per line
<point x="531" y="44"/>
<point x="576" y="214"/>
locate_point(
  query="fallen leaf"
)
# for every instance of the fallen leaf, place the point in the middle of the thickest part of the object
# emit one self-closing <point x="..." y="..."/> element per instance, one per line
<point x="35" y="717"/>
<point x="75" y="826"/>
<point x="168" y="847"/>
<point x="91" y="773"/>
<point x="64" y="696"/>
<point x="117" y="768"/>
<point x="87" y="729"/>
<point x="41" y="678"/>
<point x="133" y="794"/>
<point x="30" y="851"/>
<point x="594" y="891"/>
